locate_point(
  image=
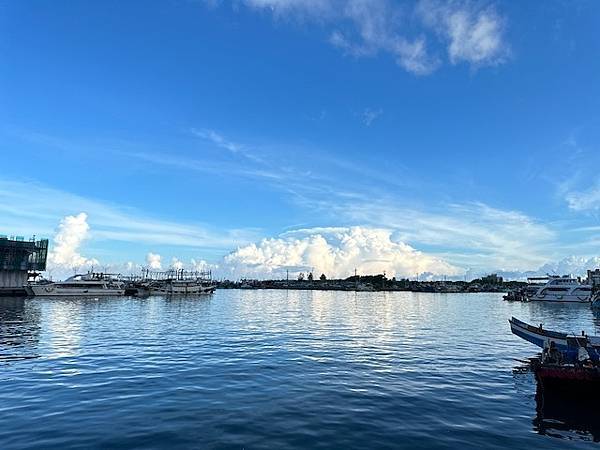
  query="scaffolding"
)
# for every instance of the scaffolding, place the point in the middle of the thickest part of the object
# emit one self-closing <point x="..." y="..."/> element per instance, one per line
<point x="19" y="258"/>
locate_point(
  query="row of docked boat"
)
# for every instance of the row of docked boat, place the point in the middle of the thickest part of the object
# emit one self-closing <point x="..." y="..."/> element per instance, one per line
<point x="569" y="363"/>
<point x="565" y="289"/>
<point x="92" y="284"/>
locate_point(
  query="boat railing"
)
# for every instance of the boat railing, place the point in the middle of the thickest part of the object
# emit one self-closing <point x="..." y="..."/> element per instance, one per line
<point x="176" y="275"/>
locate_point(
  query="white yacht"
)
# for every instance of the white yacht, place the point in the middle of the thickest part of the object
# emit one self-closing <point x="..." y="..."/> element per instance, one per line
<point x="562" y="289"/>
<point x="88" y="285"/>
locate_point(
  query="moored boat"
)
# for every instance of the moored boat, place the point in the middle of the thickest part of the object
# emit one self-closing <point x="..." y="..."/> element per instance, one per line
<point x="515" y="295"/>
<point x="562" y="289"/>
<point x="181" y="287"/>
<point x="573" y="347"/>
<point x="180" y="282"/>
<point x="567" y="376"/>
<point x="80" y="285"/>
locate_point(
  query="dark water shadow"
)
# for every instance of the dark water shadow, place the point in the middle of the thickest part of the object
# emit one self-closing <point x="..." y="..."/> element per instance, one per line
<point x="561" y="413"/>
<point x="19" y="329"/>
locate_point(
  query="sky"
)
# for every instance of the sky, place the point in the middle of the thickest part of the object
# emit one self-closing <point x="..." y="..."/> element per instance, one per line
<point x="444" y="138"/>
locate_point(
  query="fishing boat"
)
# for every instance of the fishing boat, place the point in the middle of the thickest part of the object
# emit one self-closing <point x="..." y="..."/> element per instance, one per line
<point x="180" y="282"/>
<point x="573" y="347"/>
<point x="561" y="289"/>
<point x="515" y="295"/>
<point x="567" y="376"/>
<point x="80" y="285"/>
<point x="181" y="287"/>
<point x="569" y="364"/>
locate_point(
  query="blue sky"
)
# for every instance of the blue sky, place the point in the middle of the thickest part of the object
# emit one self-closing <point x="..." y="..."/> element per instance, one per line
<point x="467" y="131"/>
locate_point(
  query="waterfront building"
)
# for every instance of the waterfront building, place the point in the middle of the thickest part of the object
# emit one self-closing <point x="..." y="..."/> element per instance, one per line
<point x="492" y="279"/>
<point x="593" y="277"/>
<point x="20" y="259"/>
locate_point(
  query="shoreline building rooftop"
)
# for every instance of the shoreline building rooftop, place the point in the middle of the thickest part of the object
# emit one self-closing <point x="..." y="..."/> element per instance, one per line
<point x="20" y="258"/>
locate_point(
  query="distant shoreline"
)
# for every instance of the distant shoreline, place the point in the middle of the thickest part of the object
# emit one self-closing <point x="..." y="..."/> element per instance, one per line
<point x="376" y="283"/>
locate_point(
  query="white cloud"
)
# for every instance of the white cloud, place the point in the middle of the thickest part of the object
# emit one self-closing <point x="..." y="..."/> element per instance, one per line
<point x="202" y="265"/>
<point x="71" y="233"/>
<point x="572" y="265"/>
<point x="370" y="115"/>
<point x="176" y="263"/>
<point x="153" y="261"/>
<point x="217" y="139"/>
<point x="586" y="200"/>
<point x="474" y="34"/>
<point x="467" y="235"/>
<point x="335" y="252"/>
<point x="360" y="28"/>
<point x="576" y="266"/>
<point x="222" y="142"/>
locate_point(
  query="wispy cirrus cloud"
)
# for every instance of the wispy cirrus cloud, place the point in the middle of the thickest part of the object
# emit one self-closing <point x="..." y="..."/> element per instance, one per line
<point x="575" y="178"/>
<point x="470" y="234"/>
<point x="218" y="139"/>
<point x="587" y="200"/>
<point x="471" y="32"/>
<point x="465" y="234"/>
<point x="370" y="115"/>
<point x="221" y="141"/>
<point x="33" y="208"/>
<point x="336" y="192"/>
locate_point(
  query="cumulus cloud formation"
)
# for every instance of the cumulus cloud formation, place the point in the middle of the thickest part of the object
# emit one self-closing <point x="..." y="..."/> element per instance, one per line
<point x="571" y="265"/>
<point x="153" y="261"/>
<point x="71" y="233"/>
<point x="202" y="265"/>
<point x="176" y="263"/>
<point x="470" y="32"/>
<point x="336" y="252"/>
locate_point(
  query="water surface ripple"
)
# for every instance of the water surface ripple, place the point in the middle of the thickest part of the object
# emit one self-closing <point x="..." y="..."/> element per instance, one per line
<point x="277" y="369"/>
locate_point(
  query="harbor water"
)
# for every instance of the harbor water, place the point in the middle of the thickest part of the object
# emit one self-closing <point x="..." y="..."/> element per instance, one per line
<point x="280" y="370"/>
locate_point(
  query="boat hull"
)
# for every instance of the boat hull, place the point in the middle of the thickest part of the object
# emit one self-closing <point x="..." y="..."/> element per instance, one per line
<point x="187" y="289"/>
<point x="560" y="299"/>
<point x="49" y="290"/>
<point x="568" y="344"/>
<point x="572" y="381"/>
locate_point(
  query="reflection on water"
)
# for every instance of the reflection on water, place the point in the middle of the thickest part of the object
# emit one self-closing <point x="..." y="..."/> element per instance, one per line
<point x="564" y="416"/>
<point x="64" y="326"/>
<point x="274" y="369"/>
<point x="19" y="329"/>
<point x="558" y="413"/>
